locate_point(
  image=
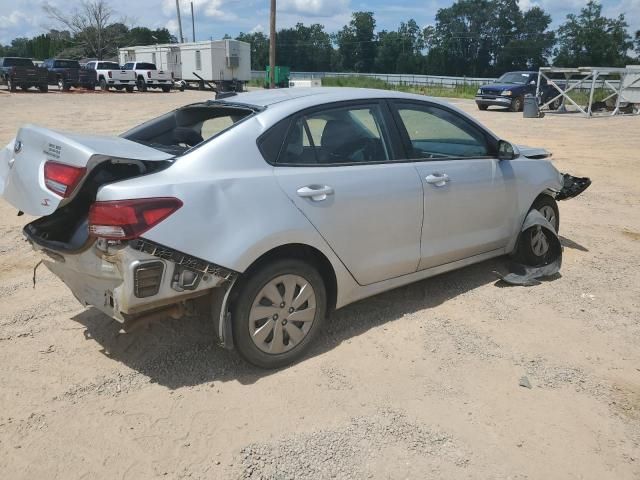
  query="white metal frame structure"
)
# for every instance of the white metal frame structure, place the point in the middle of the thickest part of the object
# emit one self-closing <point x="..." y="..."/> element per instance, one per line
<point x="589" y="74"/>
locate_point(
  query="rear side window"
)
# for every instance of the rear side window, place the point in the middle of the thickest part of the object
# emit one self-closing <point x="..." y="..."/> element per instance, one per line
<point x="108" y="66"/>
<point x="18" y="62"/>
<point x="145" y="66"/>
<point x="347" y="135"/>
<point x="437" y="133"/>
<point x="271" y="142"/>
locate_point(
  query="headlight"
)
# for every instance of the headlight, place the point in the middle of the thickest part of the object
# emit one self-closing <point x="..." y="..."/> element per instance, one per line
<point x="506" y="93"/>
<point x="479" y="92"/>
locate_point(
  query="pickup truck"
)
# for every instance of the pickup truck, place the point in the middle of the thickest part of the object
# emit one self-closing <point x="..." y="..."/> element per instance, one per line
<point x="68" y="73"/>
<point x="110" y="74"/>
<point x="509" y="91"/>
<point x="21" y="72"/>
<point x="148" y="76"/>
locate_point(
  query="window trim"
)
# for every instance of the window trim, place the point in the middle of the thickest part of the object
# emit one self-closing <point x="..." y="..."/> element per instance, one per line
<point x="394" y="143"/>
<point x="406" y="139"/>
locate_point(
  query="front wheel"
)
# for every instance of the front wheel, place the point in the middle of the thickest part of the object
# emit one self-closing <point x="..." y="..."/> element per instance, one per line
<point x="516" y="104"/>
<point x="482" y="107"/>
<point x="278" y="312"/>
<point x="534" y="247"/>
<point x="11" y="85"/>
<point x="555" y="104"/>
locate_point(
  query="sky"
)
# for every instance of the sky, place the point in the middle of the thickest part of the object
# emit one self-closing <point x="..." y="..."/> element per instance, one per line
<point x="214" y="18"/>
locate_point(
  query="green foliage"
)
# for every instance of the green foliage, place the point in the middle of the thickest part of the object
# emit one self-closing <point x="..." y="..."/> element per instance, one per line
<point x="305" y="48"/>
<point x="357" y="43"/>
<point x="259" y="49"/>
<point x="589" y="39"/>
<point x="463" y="90"/>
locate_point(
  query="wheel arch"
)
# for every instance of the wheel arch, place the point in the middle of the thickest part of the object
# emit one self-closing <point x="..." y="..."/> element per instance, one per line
<point x="305" y="253"/>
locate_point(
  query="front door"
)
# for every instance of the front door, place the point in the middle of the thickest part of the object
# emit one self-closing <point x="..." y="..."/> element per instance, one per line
<point x="337" y="167"/>
<point x="469" y="195"/>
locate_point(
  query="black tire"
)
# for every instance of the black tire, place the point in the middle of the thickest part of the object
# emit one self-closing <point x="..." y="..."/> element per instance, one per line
<point x="104" y="86"/>
<point x="11" y="86"/>
<point x="142" y="85"/>
<point x="166" y="89"/>
<point x="517" y="104"/>
<point x="482" y="107"/>
<point x="44" y="88"/>
<point x="130" y="89"/>
<point x="555" y="104"/>
<point x="525" y="252"/>
<point x="243" y="302"/>
<point x="24" y="88"/>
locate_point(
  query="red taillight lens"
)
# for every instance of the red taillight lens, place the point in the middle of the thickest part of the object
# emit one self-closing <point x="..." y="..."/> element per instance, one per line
<point x="110" y="74"/>
<point x="61" y="178"/>
<point x="148" y="74"/>
<point x="128" y="219"/>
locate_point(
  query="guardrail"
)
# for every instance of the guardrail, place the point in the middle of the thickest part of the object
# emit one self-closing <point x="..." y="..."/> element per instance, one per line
<point x="407" y="79"/>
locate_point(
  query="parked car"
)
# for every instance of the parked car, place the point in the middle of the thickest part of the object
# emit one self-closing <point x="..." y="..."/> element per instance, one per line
<point x="272" y="208"/>
<point x="21" y="72"/>
<point x="110" y="74"/>
<point x="68" y="73"/>
<point x="148" y="76"/>
<point x="509" y="91"/>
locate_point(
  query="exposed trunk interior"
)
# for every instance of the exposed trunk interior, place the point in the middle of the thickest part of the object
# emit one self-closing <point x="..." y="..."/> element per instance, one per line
<point x="66" y="229"/>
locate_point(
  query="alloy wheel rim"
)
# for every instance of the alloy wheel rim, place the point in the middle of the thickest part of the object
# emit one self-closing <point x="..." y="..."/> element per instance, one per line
<point x="282" y="314"/>
<point x="539" y="241"/>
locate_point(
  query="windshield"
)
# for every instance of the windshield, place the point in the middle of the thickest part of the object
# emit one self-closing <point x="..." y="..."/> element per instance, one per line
<point x="18" y="62"/>
<point x="66" y="64"/>
<point x="145" y="66"/>
<point x="514" y="77"/>
<point x="108" y="66"/>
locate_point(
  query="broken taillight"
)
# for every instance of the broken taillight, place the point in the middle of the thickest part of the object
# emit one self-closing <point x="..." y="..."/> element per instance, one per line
<point x="128" y="219"/>
<point x="62" y="178"/>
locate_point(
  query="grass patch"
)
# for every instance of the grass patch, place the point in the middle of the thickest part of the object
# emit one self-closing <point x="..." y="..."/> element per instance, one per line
<point x="459" y="91"/>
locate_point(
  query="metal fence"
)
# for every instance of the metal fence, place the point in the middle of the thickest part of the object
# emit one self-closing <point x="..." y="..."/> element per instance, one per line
<point x="414" y="80"/>
<point x="392" y="78"/>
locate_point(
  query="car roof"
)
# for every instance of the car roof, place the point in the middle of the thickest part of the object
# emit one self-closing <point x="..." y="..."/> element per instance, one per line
<point x="319" y="96"/>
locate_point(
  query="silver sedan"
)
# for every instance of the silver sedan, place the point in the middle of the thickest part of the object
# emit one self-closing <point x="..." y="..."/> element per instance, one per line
<point x="270" y="209"/>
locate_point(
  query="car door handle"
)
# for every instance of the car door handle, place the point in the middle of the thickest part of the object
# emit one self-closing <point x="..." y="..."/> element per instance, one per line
<point x="317" y="193"/>
<point x="437" y="179"/>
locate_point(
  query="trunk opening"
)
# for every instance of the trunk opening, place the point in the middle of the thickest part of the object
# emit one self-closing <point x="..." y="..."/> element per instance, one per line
<point x="66" y="229"/>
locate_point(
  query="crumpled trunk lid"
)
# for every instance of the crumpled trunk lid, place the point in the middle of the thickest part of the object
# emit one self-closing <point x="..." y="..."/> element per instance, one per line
<point x="22" y="161"/>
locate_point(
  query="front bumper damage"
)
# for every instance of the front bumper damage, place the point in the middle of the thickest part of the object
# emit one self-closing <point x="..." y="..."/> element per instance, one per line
<point x="135" y="282"/>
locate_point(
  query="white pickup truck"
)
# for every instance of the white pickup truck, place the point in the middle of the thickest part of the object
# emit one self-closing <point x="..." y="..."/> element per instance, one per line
<point x="110" y="74"/>
<point x="148" y="76"/>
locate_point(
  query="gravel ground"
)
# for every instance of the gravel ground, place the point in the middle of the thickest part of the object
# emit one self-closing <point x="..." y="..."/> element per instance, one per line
<point x="421" y="382"/>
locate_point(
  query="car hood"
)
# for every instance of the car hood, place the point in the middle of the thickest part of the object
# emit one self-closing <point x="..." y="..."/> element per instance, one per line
<point x="533" y="152"/>
<point x="499" y="87"/>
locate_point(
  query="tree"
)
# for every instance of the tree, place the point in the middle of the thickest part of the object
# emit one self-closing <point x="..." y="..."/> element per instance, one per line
<point x="259" y="49"/>
<point x="531" y="45"/>
<point x="306" y="48"/>
<point x="89" y="26"/>
<point x="589" y="39"/>
<point x="146" y="36"/>
<point x="400" y="51"/>
<point x="357" y="43"/>
<point x="637" y="41"/>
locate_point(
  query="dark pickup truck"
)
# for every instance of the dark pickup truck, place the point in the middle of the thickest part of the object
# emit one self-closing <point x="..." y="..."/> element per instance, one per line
<point x="509" y="91"/>
<point x="21" y="72"/>
<point x="68" y="73"/>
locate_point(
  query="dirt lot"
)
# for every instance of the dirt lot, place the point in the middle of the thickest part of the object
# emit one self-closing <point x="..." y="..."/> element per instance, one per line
<point x="420" y="382"/>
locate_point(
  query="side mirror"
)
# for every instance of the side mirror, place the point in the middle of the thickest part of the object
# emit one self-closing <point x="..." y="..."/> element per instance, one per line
<point x="506" y="151"/>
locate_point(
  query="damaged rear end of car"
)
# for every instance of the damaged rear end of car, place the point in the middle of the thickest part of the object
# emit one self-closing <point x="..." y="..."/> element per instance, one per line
<point x="95" y="246"/>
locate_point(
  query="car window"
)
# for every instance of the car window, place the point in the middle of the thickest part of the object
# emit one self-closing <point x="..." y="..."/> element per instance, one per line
<point x="337" y="136"/>
<point x="127" y="66"/>
<point x="437" y="133"/>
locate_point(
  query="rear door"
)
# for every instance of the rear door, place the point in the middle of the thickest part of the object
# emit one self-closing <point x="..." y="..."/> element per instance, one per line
<point x="469" y="195"/>
<point x="337" y="166"/>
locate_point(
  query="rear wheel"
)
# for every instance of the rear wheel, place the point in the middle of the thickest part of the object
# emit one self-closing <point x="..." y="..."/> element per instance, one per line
<point x="104" y="86"/>
<point x="142" y="85"/>
<point x="533" y="247"/>
<point x="278" y="312"/>
<point x="482" y="107"/>
<point x="516" y="104"/>
<point x="62" y="86"/>
<point x="11" y="85"/>
<point x="555" y="104"/>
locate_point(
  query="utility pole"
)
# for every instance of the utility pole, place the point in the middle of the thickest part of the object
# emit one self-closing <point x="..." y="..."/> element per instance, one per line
<point x="179" y="21"/>
<point x="193" y="24"/>
<point x="272" y="46"/>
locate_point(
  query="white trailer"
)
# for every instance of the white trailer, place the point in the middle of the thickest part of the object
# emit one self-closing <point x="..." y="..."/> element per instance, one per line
<point x="224" y="63"/>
